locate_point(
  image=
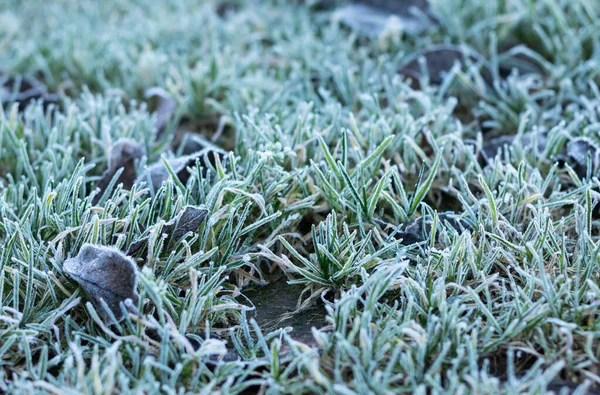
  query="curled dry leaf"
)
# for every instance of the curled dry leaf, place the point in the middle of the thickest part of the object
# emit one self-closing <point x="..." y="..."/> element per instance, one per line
<point x="523" y="62"/>
<point x="189" y="142"/>
<point x="578" y="151"/>
<point x="528" y="141"/>
<point x="158" y="172"/>
<point x="104" y="274"/>
<point x="163" y="105"/>
<point x="187" y="221"/>
<point x="419" y="230"/>
<point x="373" y="17"/>
<point x="122" y="154"/>
<point x="439" y="60"/>
<point x="23" y="90"/>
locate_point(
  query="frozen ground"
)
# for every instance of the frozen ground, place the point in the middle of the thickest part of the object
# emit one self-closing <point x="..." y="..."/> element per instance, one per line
<point x="299" y="196"/>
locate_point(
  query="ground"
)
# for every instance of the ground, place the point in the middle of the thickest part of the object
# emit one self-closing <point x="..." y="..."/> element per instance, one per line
<point x="299" y="196"/>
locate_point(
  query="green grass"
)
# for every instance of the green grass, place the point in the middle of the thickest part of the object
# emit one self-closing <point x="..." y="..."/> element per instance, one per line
<point x="331" y="154"/>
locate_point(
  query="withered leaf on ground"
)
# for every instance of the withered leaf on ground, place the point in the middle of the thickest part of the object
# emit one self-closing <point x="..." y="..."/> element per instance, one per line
<point x="419" y="229"/>
<point x="23" y="90"/>
<point x="528" y="141"/>
<point x="578" y="150"/>
<point x="158" y="172"/>
<point x="163" y="105"/>
<point x="189" y="142"/>
<point x="400" y="7"/>
<point x="187" y="221"/>
<point x="122" y="154"/>
<point x="373" y="17"/>
<point x="522" y="60"/>
<point x="105" y="274"/>
<point x="439" y="60"/>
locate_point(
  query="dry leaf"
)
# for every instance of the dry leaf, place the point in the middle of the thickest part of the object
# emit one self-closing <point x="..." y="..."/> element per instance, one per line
<point x="164" y="107"/>
<point x="23" y="90"/>
<point x="158" y="172"/>
<point x="439" y="60"/>
<point x="187" y="221"/>
<point x="373" y="17"/>
<point x="494" y="146"/>
<point x="578" y="150"/>
<point x="419" y="230"/>
<point x="104" y="274"/>
<point x="122" y="154"/>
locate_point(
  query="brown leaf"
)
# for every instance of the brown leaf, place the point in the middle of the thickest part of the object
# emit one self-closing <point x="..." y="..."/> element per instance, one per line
<point x="163" y="106"/>
<point x="23" y="90"/>
<point x="104" y="274"/>
<point x="419" y="229"/>
<point x="372" y="17"/>
<point x="187" y="221"/>
<point x="122" y="154"/>
<point x="440" y="59"/>
<point x="158" y="172"/>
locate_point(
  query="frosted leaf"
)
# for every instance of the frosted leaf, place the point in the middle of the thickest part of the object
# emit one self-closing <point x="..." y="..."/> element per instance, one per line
<point x="529" y="142"/>
<point x="23" y="90"/>
<point x="122" y="154"/>
<point x="164" y="107"/>
<point x="419" y="230"/>
<point x="374" y="17"/>
<point x="578" y="150"/>
<point x="104" y="274"/>
<point x="439" y="60"/>
<point x="158" y="172"/>
<point x="187" y="221"/>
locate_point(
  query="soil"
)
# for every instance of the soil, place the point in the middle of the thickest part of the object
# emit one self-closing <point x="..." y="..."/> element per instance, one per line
<point x="276" y="304"/>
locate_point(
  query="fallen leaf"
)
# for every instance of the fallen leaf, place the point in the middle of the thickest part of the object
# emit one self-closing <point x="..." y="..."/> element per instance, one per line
<point x="188" y="221"/>
<point x="373" y="17"/>
<point x="493" y="147"/>
<point x="578" y="150"/>
<point x="522" y="60"/>
<point x="190" y="218"/>
<point x="163" y="106"/>
<point x="439" y="60"/>
<point x="104" y="274"/>
<point x="277" y="305"/>
<point x="189" y="142"/>
<point x="419" y="230"/>
<point x="122" y="154"/>
<point x="23" y="90"/>
<point x="225" y="8"/>
<point x="158" y="172"/>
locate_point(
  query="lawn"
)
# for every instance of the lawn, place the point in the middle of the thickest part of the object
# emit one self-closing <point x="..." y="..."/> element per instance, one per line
<point x="299" y="196"/>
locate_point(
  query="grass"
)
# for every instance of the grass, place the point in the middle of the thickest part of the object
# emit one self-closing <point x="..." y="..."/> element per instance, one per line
<point x="331" y="155"/>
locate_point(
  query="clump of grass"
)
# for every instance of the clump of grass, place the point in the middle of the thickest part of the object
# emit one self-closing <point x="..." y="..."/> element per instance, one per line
<point x="340" y="257"/>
